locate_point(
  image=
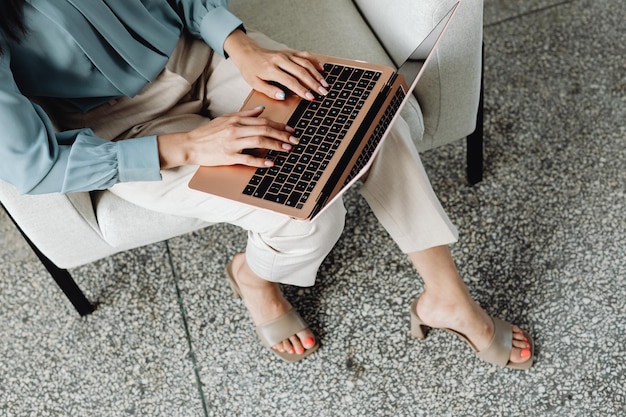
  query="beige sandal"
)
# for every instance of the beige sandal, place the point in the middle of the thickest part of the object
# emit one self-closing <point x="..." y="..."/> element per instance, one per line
<point x="279" y="329"/>
<point x="499" y="350"/>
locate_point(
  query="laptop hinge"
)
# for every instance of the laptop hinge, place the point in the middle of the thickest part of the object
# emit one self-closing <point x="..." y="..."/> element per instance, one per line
<point x="335" y="176"/>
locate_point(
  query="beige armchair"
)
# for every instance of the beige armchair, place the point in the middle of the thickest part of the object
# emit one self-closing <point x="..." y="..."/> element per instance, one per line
<point x="75" y="229"/>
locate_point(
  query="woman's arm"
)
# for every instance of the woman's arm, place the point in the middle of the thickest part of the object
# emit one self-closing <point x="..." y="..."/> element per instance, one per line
<point x="37" y="160"/>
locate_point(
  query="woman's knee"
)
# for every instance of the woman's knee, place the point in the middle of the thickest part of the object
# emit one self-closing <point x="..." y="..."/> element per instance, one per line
<point x="294" y="253"/>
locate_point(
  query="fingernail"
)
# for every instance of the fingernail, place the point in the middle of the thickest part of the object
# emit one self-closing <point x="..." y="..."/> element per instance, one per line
<point x="525" y="353"/>
<point x="324" y="83"/>
<point x="287" y="146"/>
<point x="309" y="95"/>
<point x="260" y="107"/>
<point x="280" y="95"/>
<point x="323" y="91"/>
<point x="269" y="163"/>
<point x="309" y="341"/>
<point x="294" y="140"/>
<point x="290" y="129"/>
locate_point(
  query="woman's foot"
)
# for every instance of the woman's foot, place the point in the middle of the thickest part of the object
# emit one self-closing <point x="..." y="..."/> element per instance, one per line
<point x="265" y="302"/>
<point x="446" y="303"/>
<point x="459" y="312"/>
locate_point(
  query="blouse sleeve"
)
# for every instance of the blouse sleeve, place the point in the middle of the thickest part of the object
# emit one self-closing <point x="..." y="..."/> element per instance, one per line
<point x="37" y="160"/>
<point x="209" y="20"/>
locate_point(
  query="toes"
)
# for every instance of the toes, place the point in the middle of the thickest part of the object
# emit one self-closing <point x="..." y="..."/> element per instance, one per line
<point x="279" y="347"/>
<point x="520" y="344"/>
<point x="522" y="348"/>
<point x="518" y="334"/>
<point x="297" y="343"/>
<point x="307" y="338"/>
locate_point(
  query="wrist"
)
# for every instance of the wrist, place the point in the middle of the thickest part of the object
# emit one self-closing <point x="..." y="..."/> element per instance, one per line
<point x="172" y="150"/>
<point x="238" y="43"/>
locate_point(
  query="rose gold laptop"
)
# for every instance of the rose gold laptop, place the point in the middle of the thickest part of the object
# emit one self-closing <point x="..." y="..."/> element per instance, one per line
<point x="339" y="133"/>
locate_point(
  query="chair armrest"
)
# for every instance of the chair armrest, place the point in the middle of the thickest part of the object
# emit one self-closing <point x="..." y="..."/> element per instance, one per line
<point x="55" y="224"/>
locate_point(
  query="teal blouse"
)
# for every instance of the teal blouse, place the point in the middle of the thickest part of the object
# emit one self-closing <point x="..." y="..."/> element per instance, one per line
<point x="86" y="53"/>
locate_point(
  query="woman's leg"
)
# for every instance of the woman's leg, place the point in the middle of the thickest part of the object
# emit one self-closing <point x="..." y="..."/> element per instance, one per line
<point x="446" y="303"/>
<point x="402" y="198"/>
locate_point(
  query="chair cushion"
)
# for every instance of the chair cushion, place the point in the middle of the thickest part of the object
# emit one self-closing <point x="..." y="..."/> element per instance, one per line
<point x="125" y="225"/>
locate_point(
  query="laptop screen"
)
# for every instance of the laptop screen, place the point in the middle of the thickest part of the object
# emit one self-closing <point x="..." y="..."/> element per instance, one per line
<point x="413" y="65"/>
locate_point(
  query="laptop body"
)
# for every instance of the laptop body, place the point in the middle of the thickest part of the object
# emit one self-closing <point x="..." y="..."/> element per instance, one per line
<point x="339" y="133"/>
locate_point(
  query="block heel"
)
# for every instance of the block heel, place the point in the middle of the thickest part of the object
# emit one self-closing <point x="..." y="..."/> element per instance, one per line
<point x="418" y="329"/>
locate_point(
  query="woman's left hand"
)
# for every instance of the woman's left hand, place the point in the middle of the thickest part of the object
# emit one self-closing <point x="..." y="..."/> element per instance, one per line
<point x="298" y="71"/>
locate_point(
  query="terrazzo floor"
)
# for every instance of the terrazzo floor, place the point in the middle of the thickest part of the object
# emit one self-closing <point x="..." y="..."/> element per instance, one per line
<point x="542" y="244"/>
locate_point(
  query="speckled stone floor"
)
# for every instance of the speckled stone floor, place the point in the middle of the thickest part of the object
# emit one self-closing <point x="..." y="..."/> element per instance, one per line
<point x="543" y="244"/>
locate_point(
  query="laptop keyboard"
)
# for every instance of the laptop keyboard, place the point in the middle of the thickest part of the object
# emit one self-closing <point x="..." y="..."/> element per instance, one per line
<point x="320" y="125"/>
<point x="377" y="134"/>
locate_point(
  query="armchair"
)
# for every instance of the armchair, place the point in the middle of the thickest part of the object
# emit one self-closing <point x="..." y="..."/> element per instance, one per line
<point x="66" y="231"/>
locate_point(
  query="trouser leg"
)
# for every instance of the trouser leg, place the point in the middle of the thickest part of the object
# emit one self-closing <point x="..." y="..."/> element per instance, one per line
<point x="278" y="248"/>
<point x="400" y="195"/>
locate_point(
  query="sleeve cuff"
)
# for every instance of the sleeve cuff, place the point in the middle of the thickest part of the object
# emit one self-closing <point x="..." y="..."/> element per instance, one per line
<point x="138" y="160"/>
<point x="216" y="25"/>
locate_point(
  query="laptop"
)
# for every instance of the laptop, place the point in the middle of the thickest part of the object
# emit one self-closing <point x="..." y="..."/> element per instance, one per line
<point x="339" y="134"/>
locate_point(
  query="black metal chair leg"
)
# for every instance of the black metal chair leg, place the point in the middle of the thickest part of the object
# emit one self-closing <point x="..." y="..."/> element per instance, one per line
<point x="61" y="276"/>
<point x="475" y="140"/>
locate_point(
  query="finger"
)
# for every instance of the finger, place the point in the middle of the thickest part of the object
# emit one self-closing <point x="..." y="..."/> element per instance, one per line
<point x="311" y="58"/>
<point x="260" y="142"/>
<point x="295" y="72"/>
<point x="276" y="87"/>
<point x="272" y="131"/>
<point x="314" y="65"/>
<point x="297" y="77"/>
<point x="243" y="119"/>
<point x="314" y="81"/>
<point x="255" y="112"/>
<point x="252" y="161"/>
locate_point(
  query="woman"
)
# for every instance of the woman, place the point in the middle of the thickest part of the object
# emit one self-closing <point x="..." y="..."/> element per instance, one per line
<point x="133" y="95"/>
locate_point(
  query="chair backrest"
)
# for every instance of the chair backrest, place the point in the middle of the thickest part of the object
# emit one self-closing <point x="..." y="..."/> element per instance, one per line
<point x="451" y="83"/>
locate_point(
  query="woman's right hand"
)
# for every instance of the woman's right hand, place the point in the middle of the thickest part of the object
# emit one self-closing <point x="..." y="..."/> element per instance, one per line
<point x="223" y="140"/>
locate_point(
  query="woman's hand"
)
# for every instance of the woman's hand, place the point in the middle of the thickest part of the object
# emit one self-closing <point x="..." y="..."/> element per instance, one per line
<point x="223" y="140"/>
<point x="298" y="71"/>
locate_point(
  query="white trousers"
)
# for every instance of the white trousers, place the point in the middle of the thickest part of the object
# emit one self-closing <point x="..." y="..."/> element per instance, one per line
<point x="198" y="85"/>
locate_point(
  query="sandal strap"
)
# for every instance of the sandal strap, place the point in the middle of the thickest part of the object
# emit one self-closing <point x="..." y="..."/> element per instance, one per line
<point x="281" y="328"/>
<point x="499" y="350"/>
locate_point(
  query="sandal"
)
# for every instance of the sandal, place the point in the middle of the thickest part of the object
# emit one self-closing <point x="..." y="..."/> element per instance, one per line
<point x="279" y="329"/>
<point x="498" y="351"/>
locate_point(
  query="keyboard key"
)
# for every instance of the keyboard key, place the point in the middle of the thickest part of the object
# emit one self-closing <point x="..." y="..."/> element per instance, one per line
<point x="294" y="199"/>
<point x="346" y="73"/>
<point x="263" y="186"/>
<point x="356" y="74"/>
